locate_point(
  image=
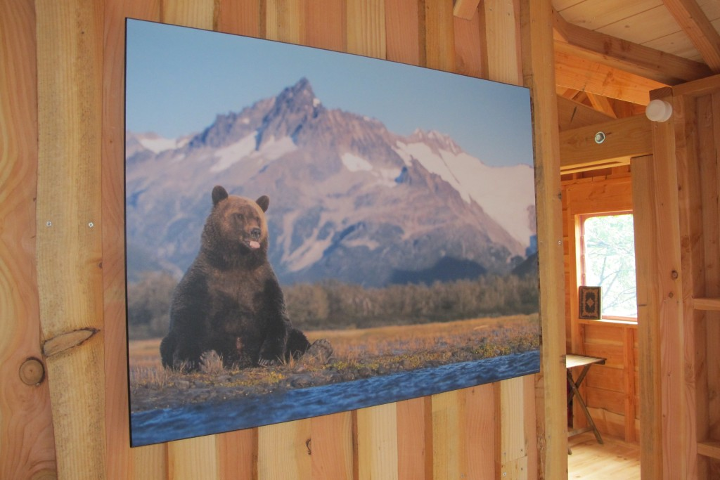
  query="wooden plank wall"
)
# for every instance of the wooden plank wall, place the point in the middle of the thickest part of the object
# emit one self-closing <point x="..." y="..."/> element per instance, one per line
<point x="611" y="390"/>
<point x="72" y="223"/>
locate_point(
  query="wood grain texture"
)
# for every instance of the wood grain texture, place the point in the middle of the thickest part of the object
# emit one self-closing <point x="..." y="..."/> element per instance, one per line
<point x="239" y="17"/>
<point x="193" y="458"/>
<point x="439" y="35"/>
<point x="366" y="33"/>
<point x="538" y="59"/>
<point x="325" y="22"/>
<point x="69" y="244"/>
<point x="465" y="9"/>
<point x="623" y="138"/>
<point x="573" y="114"/>
<point x="511" y="443"/>
<point x="331" y="446"/>
<point x="712" y="272"/>
<point x="471" y="56"/>
<point x="285" y="20"/>
<point x="122" y="462"/>
<point x="402" y="32"/>
<point x="623" y="55"/>
<point x="697" y="26"/>
<point x="670" y="309"/>
<point x="26" y="434"/>
<point x="188" y="13"/>
<point x="237" y="454"/>
<point x="414" y="432"/>
<point x="284" y="451"/>
<point x="376" y="443"/>
<point x="583" y="75"/>
<point x="502" y="34"/>
<point x="448" y="412"/>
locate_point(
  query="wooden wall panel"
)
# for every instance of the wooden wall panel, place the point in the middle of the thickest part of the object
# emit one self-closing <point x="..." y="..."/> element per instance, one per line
<point x="123" y="463"/>
<point x="403" y="26"/>
<point x="26" y="433"/>
<point x="80" y="179"/>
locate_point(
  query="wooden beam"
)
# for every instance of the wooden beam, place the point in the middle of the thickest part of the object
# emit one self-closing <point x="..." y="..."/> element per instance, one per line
<point x="648" y="301"/>
<point x="69" y="227"/>
<point x="624" y="138"/>
<point x="465" y="9"/>
<point x="698" y="88"/>
<point x="582" y="74"/>
<point x="697" y="26"/>
<point x="550" y="392"/>
<point x="627" y="56"/>
<point x="572" y="114"/>
<point x="601" y="104"/>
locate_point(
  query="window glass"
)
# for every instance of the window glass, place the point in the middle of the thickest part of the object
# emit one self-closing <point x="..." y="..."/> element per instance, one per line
<point x="609" y="262"/>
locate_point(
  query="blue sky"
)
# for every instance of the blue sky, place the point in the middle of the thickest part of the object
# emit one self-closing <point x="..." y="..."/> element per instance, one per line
<point x="179" y="79"/>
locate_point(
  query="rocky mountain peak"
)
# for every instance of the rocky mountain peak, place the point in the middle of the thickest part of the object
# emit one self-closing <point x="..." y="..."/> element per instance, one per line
<point x="435" y="139"/>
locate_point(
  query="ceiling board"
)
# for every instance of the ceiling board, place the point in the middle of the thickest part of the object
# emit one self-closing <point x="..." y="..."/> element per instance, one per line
<point x="643" y="27"/>
<point x="678" y="44"/>
<point x="600" y="13"/>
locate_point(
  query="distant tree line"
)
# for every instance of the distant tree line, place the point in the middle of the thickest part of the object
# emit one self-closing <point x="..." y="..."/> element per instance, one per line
<point x="336" y="305"/>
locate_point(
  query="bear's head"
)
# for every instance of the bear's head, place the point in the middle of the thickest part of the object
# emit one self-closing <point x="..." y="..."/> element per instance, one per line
<point x="236" y="226"/>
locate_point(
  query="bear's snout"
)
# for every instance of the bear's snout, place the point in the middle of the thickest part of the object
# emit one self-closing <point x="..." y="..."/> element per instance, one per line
<point x="255" y="233"/>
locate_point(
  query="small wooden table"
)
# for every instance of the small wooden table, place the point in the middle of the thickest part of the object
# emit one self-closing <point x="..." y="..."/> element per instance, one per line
<point x="572" y="361"/>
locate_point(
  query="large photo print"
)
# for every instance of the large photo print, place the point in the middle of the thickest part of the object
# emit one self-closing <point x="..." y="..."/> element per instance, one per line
<point x="309" y="232"/>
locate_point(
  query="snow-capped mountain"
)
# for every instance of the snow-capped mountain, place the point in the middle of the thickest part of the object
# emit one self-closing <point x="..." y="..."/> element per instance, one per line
<point x="349" y="200"/>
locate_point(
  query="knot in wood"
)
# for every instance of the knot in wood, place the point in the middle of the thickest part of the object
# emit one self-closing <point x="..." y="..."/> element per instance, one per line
<point x="32" y="371"/>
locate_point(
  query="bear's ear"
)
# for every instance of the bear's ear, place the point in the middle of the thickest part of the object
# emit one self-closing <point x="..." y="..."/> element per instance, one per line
<point x="264" y="202"/>
<point x="219" y="194"/>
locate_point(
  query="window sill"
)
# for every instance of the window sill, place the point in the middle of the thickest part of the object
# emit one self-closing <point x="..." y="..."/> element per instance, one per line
<point x="628" y="323"/>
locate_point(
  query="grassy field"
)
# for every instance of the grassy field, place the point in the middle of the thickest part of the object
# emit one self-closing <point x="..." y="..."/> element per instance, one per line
<point x="374" y="351"/>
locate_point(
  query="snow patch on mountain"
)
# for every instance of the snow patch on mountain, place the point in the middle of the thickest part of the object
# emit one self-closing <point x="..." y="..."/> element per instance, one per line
<point x="244" y="149"/>
<point x="503" y="192"/>
<point x="273" y="148"/>
<point x="156" y="144"/>
<point x="355" y="163"/>
<point x="432" y="162"/>
<point x="233" y="153"/>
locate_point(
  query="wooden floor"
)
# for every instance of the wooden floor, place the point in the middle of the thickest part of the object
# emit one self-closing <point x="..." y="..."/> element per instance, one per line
<point x="614" y="460"/>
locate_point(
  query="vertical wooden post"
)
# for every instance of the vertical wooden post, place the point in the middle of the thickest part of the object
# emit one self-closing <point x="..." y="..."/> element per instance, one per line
<point x="539" y="74"/>
<point x="672" y="334"/>
<point x="645" y="223"/>
<point x="69" y="243"/>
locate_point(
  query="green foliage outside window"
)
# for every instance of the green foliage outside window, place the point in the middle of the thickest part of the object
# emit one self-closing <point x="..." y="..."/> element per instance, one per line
<point x="610" y="262"/>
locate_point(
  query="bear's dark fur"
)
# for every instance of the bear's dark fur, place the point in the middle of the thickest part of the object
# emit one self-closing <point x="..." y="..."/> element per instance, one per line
<point x="229" y="299"/>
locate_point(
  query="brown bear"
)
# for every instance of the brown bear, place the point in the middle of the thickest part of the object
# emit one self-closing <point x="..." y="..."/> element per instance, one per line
<point x="229" y="299"/>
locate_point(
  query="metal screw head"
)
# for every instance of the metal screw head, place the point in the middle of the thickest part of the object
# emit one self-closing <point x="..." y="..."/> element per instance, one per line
<point x="48" y="224"/>
<point x="91" y="224"/>
<point x="599" y="137"/>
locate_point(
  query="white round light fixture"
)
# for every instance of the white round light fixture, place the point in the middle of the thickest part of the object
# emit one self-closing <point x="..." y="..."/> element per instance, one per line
<point x="658" y="111"/>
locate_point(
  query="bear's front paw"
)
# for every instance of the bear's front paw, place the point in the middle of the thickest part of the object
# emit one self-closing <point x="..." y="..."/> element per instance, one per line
<point x="271" y="353"/>
<point x="267" y="363"/>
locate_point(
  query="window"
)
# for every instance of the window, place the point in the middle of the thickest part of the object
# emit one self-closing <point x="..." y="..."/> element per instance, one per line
<point x="608" y="261"/>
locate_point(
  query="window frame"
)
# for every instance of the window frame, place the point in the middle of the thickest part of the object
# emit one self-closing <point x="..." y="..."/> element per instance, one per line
<point x="580" y="246"/>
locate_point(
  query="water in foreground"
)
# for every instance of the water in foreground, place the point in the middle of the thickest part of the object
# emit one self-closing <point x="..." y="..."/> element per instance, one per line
<point x="163" y="425"/>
